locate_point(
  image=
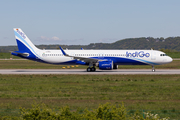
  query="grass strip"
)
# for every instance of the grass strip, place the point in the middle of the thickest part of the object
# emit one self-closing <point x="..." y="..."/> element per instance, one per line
<point x="138" y="92"/>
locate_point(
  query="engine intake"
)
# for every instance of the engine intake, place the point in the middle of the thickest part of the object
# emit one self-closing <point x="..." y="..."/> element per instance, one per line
<point x="106" y="65"/>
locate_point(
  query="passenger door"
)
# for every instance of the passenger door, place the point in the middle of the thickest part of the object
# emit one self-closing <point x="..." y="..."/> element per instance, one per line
<point x="153" y="55"/>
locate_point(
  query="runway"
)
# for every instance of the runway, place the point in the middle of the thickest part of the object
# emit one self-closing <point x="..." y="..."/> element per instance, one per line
<point x="83" y="71"/>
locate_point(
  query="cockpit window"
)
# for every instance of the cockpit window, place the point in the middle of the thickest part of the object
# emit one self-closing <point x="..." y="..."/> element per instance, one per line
<point x="163" y="55"/>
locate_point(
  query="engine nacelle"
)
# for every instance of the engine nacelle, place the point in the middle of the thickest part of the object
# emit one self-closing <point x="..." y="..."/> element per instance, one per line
<point x="106" y="65"/>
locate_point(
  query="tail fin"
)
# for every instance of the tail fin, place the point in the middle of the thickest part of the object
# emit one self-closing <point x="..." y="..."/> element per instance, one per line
<point x="23" y="42"/>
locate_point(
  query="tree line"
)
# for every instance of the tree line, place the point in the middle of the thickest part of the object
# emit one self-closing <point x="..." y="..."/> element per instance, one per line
<point x="170" y="43"/>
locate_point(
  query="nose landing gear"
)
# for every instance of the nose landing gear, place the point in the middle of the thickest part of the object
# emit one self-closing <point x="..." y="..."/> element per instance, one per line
<point x="153" y="69"/>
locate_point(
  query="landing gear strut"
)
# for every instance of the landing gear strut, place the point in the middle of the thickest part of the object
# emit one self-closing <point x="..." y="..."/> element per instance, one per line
<point x="153" y="69"/>
<point x="115" y="66"/>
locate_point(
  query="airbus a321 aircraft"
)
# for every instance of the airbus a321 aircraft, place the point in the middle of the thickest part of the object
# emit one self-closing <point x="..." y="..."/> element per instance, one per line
<point x="104" y="59"/>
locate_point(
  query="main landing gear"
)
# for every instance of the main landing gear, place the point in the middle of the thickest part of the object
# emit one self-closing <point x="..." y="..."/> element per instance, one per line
<point x="91" y="69"/>
<point x="153" y="69"/>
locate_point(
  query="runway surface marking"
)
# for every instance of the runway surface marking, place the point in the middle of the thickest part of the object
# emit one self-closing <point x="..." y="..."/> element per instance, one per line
<point x="82" y="71"/>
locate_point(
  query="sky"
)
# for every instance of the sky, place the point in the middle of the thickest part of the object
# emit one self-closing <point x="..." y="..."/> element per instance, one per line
<point x="81" y="22"/>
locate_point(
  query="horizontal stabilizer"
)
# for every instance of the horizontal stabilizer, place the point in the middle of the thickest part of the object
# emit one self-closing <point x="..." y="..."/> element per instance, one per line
<point x="25" y="54"/>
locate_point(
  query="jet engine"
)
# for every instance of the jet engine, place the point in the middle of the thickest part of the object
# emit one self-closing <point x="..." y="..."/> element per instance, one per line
<point x="106" y="65"/>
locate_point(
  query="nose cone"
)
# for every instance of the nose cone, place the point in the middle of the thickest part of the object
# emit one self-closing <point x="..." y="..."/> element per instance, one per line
<point x="166" y="60"/>
<point x="169" y="59"/>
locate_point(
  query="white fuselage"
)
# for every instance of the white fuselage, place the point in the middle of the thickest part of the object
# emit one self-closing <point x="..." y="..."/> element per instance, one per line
<point x="120" y="57"/>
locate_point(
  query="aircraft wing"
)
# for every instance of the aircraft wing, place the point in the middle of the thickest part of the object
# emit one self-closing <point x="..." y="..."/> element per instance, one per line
<point x="83" y="59"/>
<point x="87" y="60"/>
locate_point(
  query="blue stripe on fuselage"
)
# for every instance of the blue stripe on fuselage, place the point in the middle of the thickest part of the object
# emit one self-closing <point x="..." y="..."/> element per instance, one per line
<point x="127" y="61"/>
<point x="116" y="60"/>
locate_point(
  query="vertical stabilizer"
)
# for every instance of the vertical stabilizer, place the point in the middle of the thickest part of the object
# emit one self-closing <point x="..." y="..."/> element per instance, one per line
<point x="23" y="42"/>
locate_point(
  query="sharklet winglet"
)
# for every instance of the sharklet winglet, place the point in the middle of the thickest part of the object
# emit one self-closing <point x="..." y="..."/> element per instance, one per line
<point x="64" y="53"/>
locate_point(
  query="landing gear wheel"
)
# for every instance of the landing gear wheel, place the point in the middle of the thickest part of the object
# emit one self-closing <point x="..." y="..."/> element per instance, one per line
<point x="93" y="69"/>
<point x="88" y="69"/>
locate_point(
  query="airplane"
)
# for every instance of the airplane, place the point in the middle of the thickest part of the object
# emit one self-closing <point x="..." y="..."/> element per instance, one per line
<point x="104" y="59"/>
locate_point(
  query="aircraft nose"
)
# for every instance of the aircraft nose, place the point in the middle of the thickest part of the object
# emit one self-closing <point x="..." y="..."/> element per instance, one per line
<point x="170" y="59"/>
<point x="167" y="59"/>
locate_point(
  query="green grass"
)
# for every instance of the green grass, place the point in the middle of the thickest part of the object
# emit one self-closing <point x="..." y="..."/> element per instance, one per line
<point x="27" y="64"/>
<point x="173" y="54"/>
<point x="8" y="56"/>
<point x="138" y="92"/>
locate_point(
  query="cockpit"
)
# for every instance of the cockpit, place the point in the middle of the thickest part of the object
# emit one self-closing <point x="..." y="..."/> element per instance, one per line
<point x="163" y="55"/>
